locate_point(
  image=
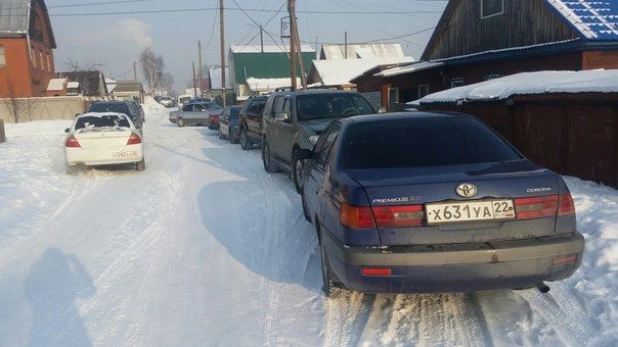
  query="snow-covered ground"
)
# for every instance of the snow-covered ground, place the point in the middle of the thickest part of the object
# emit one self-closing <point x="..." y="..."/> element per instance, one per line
<point x="205" y="248"/>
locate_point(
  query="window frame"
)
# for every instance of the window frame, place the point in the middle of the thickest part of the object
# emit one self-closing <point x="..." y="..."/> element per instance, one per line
<point x="3" y="55"/>
<point x="322" y="157"/>
<point x="493" y="14"/>
<point x="420" y="87"/>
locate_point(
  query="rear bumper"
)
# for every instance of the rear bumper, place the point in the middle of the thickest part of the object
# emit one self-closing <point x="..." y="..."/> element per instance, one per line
<point x="90" y="157"/>
<point x="457" y="267"/>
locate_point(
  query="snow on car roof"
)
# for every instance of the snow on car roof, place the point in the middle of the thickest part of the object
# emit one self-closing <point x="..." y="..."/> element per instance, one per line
<point x="526" y="83"/>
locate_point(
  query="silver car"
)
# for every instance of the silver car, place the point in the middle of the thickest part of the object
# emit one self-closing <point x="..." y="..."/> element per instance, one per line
<point x="205" y="113"/>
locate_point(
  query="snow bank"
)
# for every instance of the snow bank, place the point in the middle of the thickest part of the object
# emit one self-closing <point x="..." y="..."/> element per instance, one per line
<point x="526" y="83"/>
<point x="151" y="106"/>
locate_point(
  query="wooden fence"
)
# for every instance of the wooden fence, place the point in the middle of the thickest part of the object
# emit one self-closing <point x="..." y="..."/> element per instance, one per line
<point x="572" y="134"/>
<point x="2" y="133"/>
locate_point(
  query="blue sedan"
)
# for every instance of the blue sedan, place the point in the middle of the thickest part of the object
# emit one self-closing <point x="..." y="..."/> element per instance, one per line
<point x="229" y="124"/>
<point x="426" y="202"/>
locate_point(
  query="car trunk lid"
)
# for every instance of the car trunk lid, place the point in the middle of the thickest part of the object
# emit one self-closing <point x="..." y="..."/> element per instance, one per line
<point x="103" y="137"/>
<point x="434" y="191"/>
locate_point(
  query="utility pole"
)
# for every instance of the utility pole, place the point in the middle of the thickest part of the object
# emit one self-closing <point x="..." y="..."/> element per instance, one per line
<point x="262" y="38"/>
<point x="292" y="11"/>
<point x="194" y="82"/>
<point x="346" y="45"/>
<point x="301" y="64"/>
<point x="134" y="70"/>
<point x="222" y="32"/>
<point x="200" y="66"/>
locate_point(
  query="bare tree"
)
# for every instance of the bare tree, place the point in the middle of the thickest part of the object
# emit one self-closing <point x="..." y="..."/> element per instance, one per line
<point x="167" y="82"/>
<point x="18" y="108"/>
<point x="152" y="66"/>
<point x="81" y="71"/>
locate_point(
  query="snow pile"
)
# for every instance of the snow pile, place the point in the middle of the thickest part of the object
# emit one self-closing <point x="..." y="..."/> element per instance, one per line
<point x="151" y="105"/>
<point x="525" y="83"/>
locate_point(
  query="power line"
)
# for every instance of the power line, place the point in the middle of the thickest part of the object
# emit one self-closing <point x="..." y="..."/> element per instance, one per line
<point x="212" y="30"/>
<point x="378" y="40"/>
<point x="202" y="9"/>
<point x="97" y="3"/>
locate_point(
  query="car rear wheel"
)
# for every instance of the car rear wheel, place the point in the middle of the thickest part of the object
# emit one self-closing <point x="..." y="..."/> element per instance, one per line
<point x="244" y="141"/>
<point x="267" y="159"/>
<point x="297" y="175"/>
<point x="140" y="165"/>
<point x="180" y="122"/>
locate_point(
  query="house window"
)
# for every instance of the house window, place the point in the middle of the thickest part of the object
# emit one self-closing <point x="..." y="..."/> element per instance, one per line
<point x="491" y="76"/>
<point x="393" y="97"/>
<point x="41" y="60"/>
<point x="49" y="64"/>
<point x="33" y="57"/>
<point x="423" y="90"/>
<point x="490" y="8"/>
<point x="2" y="57"/>
<point x="457" y="82"/>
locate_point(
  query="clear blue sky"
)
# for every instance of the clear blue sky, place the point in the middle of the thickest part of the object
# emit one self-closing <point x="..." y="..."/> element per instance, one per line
<point x="116" y="40"/>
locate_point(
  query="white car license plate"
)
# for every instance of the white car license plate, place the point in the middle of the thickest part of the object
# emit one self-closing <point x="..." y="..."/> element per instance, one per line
<point x="128" y="154"/>
<point x="469" y="211"/>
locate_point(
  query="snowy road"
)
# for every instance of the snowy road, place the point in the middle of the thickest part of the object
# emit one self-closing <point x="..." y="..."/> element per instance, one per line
<point x="204" y="248"/>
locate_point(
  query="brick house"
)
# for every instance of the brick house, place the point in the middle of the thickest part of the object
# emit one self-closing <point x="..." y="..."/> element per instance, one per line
<point x="26" y="48"/>
<point x="477" y="40"/>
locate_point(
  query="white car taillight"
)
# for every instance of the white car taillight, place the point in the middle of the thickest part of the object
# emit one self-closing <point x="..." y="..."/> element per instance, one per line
<point x="134" y="139"/>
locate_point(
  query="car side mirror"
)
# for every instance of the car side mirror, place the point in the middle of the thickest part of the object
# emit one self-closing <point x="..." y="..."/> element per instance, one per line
<point x="282" y="116"/>
<point x="302" y="154"/>
<point x="382" y="110"/>
<point x="67" y="130"/>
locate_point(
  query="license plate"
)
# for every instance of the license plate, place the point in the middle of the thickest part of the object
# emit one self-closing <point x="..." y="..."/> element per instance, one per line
<point x="469" y="211"/>
<point x="129" y="154"/>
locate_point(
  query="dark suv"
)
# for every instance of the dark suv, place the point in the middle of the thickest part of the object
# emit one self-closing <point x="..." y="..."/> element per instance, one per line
<point x="251" y="122"/>
<point x="118" y="107"/>
<point x="294" y="120"/>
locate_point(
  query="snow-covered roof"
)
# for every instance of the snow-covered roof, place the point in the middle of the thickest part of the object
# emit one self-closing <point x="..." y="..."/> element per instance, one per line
<point x="268" y="84"/>
<point x="402" y="70"/>
<point x="341" y="72"/>
<point x="111" y="84"/>
<point x="526" y="83"/>
<point x="72" y="85"/>
<point x="593" y="19"/>
<point x="374" y="50"/>
<point x="56" y="84"/>
<point x="267" y="49"/>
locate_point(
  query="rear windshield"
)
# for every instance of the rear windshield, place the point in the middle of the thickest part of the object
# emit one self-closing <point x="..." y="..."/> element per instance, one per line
<point x="103" y="107"/>
<point x="212" y="107"/>
<point x="102" y="122"/>
<point x="423" y="142"/>
<point x="335" y="105"/>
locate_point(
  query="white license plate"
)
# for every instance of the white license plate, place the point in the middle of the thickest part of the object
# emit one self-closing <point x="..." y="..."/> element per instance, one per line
<point x="469" y="211"/>
<point x="129" y="154"/>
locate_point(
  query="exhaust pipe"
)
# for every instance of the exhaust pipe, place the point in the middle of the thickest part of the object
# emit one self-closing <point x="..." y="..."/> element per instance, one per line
<point x="542" y="287"/>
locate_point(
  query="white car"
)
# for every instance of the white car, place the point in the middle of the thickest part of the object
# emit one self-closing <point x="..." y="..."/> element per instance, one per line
<point x="103" y="139"/>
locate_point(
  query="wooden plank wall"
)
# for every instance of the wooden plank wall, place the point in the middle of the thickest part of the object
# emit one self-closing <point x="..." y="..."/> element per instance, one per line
<point x="2" y="133"/>
<point x="523" y="23"/>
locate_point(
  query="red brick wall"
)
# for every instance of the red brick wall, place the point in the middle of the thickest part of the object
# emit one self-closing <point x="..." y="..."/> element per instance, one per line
<point x="15" y="78"/>
<point x="600" y="60"/>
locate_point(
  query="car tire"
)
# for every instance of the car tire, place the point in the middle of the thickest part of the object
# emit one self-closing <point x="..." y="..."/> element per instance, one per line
<point x="180" y="122"/>
<point x="305" y="209"/>
<point x="244" y="141"/>
<point x="327" y="282"/>
<point x="296" y="171"/>
<point x="140" y="165"/>
<point x="267" y="159"/>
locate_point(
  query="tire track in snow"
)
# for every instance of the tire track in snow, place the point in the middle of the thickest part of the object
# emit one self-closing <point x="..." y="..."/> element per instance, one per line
<point x="562" y="313"/>
<point x="347" y="314"/>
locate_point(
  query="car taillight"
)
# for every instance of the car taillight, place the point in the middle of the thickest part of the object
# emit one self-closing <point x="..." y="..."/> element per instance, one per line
<point x="72" y="142"/>
<point x="537" y="207"/>
<point x="399" y="216"/>
<point x="566" y="205"/>
<point x="134" y="139"/>
<point x="359" y="217"/>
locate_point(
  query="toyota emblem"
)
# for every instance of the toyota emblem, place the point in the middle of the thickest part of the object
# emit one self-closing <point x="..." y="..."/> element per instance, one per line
<point x="466" y="190"/>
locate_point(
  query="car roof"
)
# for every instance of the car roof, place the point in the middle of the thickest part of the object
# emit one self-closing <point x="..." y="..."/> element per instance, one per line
<point x="316" y="92"/>
<point x="118" y="102"/>
<point x="101" y="114"/>
<point x="369" y="118"/>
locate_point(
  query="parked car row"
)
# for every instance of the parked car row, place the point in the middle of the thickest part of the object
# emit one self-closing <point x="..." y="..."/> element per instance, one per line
<point x="197" y="112"/>
<point x="414" y="201"/>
